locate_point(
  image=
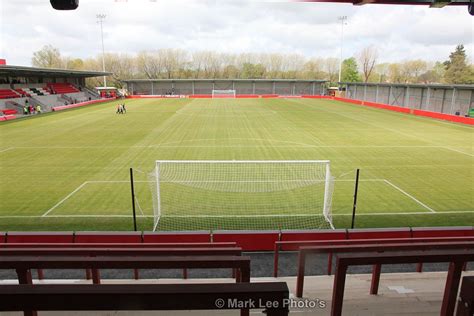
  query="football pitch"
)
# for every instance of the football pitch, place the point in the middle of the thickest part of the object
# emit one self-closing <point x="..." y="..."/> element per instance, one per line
<point x="70" y="170"/>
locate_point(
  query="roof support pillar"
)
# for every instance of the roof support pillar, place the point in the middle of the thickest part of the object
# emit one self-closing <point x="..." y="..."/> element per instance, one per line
<point x="428" y="99"/>
<point x="453" y="100"/>
<point x="406" y="102"/>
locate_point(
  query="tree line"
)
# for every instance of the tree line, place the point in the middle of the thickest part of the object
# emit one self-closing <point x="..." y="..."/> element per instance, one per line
<point x="181" y="64"/>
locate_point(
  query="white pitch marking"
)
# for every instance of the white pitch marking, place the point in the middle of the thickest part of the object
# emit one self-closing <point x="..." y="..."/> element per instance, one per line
<point x="410" y="196"/>
<point x="116" y="181"/>
<point x="64" y="199"/>
<point x="386" y="128"/>
<point x="458" y="151"/>
<point x="129" y="216"/>
<point x="6" y="149"/>
<point x="165" y="145"/>
<point x="98" y="216"/>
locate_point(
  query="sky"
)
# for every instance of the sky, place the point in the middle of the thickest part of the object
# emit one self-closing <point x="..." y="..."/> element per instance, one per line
<point x="233" y="26"/>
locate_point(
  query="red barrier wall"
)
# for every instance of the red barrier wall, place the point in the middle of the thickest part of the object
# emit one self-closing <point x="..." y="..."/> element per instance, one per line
<point x="147" y="96"/>
<point x="37" y="237"/>
<point x="442" y="231"/>
<point x="106" y="237"/>
<point x="76" y="105"/>
<point x="173" y="237"/>
<point x="299" y="235"/>
<point x="248" y="240"/>
<point x="440" y="116"/>
<point x="379" y="233"/>
<point x="7" y="117"/>
<point x="446" y="117"/>
<point x="316" y="97"/>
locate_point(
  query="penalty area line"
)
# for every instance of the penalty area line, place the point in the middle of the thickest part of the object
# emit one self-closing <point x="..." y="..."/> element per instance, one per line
<point x="64" y="199"/>
<point x="410" y="196"/>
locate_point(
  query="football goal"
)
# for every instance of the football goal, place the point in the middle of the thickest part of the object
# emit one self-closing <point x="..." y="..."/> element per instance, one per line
<point x="223" y="94"/>
<point x="239" y="195"/>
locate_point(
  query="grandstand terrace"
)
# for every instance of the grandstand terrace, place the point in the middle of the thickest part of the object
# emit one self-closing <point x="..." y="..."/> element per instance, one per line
<point x="242" y="87"/>
<point x="49" y="88"/>
<point x="445" y="99"/>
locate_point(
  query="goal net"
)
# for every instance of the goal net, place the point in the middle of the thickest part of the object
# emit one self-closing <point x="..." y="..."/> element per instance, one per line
<point x="223" y="93"/>
<point x="236" y="195"/>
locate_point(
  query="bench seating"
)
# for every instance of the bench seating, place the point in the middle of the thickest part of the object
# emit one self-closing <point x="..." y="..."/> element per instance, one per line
<point x="8" y="94"/>
<point x="23" y="264"/>
<point x="144" y="297"/>
<point x="295" y="246"/>
<point x="62" y="88"/>
<point x="371" y="248"/>
<point x="107" y="248"/>
<point x="456" y="259"/>
<point x="8" y="111"/>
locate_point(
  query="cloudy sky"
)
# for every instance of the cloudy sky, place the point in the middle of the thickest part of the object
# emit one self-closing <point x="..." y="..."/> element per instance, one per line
<point x="311" y="29"/>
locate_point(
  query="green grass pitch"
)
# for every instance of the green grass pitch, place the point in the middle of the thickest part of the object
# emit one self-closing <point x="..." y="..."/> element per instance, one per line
<point x="70" y="170"/>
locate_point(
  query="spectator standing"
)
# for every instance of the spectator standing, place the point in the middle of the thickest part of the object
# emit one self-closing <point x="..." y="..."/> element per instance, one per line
<point x="124" y="110"/>
<point x="25" y="110"/>
<point x="38" y="109"/>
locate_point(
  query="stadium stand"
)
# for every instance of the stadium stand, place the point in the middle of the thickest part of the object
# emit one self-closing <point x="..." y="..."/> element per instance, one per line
<point x="182" y="250"/>
<point x="49" y="88"/>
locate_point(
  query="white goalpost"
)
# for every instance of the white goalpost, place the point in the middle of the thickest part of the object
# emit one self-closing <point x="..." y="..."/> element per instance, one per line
<point x="230" y="194"/>
<point x="223" y="94"/>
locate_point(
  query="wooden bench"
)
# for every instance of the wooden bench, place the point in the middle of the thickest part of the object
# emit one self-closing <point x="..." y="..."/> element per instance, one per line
<point x="23" y="264"/>
<point x="295" y="245"/>
<point x="124" y="251"/>
<point x="120" y="245"/>
<point x="304" y="251"/>
<point x="116" y="245"/>
<point x="145" y="297"/>
<point x="456" y="259"/>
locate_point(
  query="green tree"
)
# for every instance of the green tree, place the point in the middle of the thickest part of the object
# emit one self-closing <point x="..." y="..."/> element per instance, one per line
<point x="349" y="71"/>
<point x="433" y="75"/>
<point x="47" y="57"/>
<point x="76" y="63"/>
<point x="253" y="71"/>
<point x="457" y="69"/>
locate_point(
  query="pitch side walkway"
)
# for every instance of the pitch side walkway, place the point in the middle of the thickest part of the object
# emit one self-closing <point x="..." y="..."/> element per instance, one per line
<point x="417" y="294"/>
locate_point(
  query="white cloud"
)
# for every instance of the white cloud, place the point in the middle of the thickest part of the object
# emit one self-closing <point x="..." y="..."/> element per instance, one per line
<point x="312" y="29"/>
